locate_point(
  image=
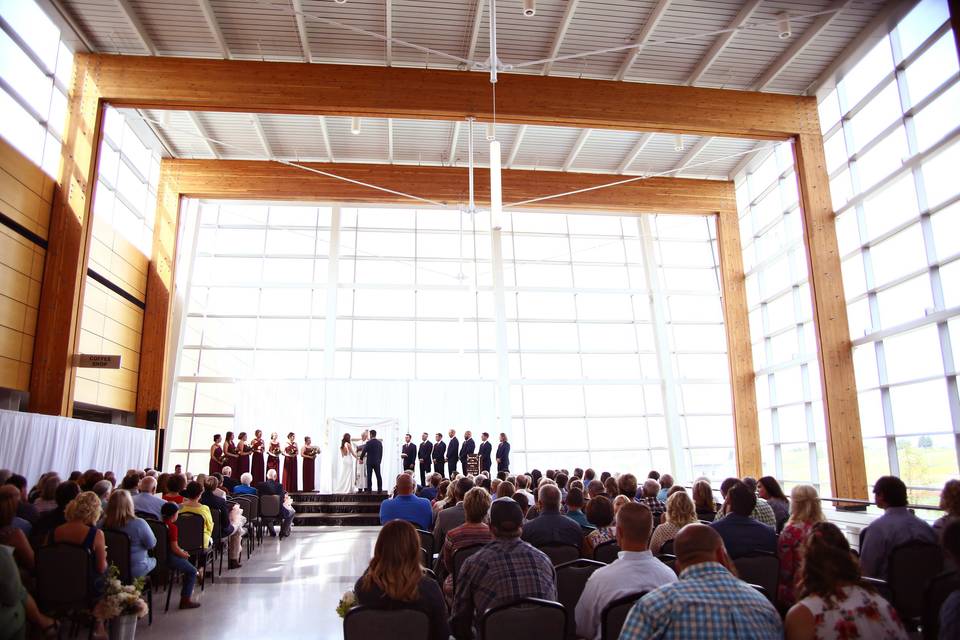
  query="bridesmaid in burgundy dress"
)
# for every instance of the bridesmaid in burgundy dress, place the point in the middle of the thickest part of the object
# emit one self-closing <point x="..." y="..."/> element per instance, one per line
<point x="230" y="455"/>
<point x="257" y="460"/>
<point x="290" y="463"/>
<point x="309" y="464"/>
<point x="216" y="455"/>
<point x="273" y="454"/>
<point x="243" y="455"/>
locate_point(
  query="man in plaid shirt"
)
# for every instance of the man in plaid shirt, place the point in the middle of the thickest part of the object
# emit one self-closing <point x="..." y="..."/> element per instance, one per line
<point x="708" y="601"/>
<point x="649" y="497"/>
<point x="503" y="571"/>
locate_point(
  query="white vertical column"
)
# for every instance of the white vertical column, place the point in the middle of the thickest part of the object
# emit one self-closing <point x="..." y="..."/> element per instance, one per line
<point x="500" y="315"/>
<point x="333" y="275"/>
<point x="668" y="382"/>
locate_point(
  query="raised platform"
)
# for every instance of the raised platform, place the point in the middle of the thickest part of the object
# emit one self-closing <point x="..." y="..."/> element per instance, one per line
<point x="337" y="509"/>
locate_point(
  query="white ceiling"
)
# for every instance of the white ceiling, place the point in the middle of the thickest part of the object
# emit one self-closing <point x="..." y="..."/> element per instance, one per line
<point x="679" y="38"/>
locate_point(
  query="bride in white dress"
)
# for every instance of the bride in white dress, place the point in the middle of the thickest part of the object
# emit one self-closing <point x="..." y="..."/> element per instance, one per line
<point x="346" y="482"/>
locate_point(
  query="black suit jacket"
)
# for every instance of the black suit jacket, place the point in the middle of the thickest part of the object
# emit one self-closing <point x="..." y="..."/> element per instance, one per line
<point x="453" y="449"/>
<point x="373" y="452"/>
<point x="485" y="449"/>
<point x="469" y="446"/>
<point x="409" y="455"/>
<point x="271" y="488"/>
<point x="426" y="448"/>
<point x="503" y="454"/>
<point x="439" y="453"/>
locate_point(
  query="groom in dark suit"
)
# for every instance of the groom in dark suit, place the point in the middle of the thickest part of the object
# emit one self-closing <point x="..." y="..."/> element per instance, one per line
<point x="373" y="454"/>
<point x="485" y="449"/>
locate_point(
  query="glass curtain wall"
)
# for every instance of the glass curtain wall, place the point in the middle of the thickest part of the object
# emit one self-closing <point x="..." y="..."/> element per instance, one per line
<point x="598" y="307"/>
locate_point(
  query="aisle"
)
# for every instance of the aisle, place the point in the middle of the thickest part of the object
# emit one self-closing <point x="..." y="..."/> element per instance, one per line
<point x="285" y="590"/>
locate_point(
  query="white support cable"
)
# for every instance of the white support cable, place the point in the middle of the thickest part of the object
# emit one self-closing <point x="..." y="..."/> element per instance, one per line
<point x="325" y="134"/>
<point x="372" y="34"/>
<point x="195" y="119"/>
<point x="740" y="166"/>
<point x="515" y="147"/>
<point x="577" y="148"/>
<point x="628" y="180"/>
<point x="721" y="42"/>
<point x="560" y="34"/>
<point x="302" y="30"/>
<point x="211" y="17"/>
<point x="637" y="149"/>
<point x="798" y="46"/>
<point x="131" y="15"/>
<point x="633" y="51"/>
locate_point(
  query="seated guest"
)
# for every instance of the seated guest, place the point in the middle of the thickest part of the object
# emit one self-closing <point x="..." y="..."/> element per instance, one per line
<point x="395" y="578"/>
<point x="521" y="499"/>
<point x="433" y="484"/>
<point x="244" y="488"/>
<point x="575" y="508"/>
<point x="25" y="510"/>
<point x="708" y="601"/>
<point x="474" y="531"/>
<point x="950" y="610"/>
<point x="895" y="527"/>
<point x="191" y="504"/>
<point x="47" y="498"/>
<point x="50" y="520"/>
<point x="506" y="490"/>
<point x="769" y="489"/>
<point x="523" y="486"/>
<point x="741" y="534"/>
<point x="82" y="515"/>
<point x="680" y="513"/>
<point x="600" y="515"/>
<point x="130" y="484"/>
<point x="612" y="487"/>
<point x="589" y="476"/>
<point x="595" y="489"/>
<point x="103" y="489"/>
<point x="635" y="569"/>
<point x="833" y="601"/>
<point x="950" y="503"/>
<point x="561" y="481"/>
<point x="443" y="494"/>
<point x="805" y="512"/>
<point x="453" y="516"/>
<point x="177" y="558"/>
<point x="146" y="500"/>
<point x="213" y="501"/>
<point x="666" y="483"/>
<point x="502" y="571"/>
<point x="551" y="526"/>
<point x="648" y="497"/>
<point x="762" y="512"/>
<point x="228" y="482"/>
<point x="619" y="501"/>
<point x="406" y="506"/>
<point x="17" y="606"/>
<point x="120" y="516"/>
<point x="175" y="485"/>
<point x="10" y="535"/>
<point x="270" y="487"/>
<point x="703" y="501"/>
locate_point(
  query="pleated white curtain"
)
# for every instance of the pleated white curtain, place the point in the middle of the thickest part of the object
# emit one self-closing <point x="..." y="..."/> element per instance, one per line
<point x="32" y="444"/>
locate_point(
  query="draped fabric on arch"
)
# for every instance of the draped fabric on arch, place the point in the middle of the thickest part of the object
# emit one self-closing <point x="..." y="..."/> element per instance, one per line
<point x="33" y="444"/>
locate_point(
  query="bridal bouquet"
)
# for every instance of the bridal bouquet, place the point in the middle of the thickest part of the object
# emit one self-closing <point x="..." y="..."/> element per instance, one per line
<point x="120" y="599"/>
<point x="347" y="602"/>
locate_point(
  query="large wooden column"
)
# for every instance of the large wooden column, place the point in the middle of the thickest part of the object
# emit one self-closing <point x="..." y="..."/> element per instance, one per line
<point x="739" y="351"/>
<point x="64" y="275"/>
<point x="848" y="475"/>
<point x="154" y="342"/>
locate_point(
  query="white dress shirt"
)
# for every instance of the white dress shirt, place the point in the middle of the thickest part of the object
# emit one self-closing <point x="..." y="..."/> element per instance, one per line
<point x="632" y="571"/>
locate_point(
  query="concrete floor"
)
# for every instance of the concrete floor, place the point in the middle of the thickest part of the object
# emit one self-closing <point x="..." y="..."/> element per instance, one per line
<point x="285" y="590"/>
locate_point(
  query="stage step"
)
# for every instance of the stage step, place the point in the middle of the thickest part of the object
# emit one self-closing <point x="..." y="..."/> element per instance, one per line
<point x="337" y="509"/>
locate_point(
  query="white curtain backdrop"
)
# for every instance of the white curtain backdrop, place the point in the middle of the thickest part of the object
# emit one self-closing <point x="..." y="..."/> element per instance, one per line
<point x="32" y="444"/>
<point x="325" y="411"/>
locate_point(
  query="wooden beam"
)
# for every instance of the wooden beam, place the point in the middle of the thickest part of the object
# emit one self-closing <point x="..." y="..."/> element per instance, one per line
<point x="261" y="180"/>
<point x="848" y="477"/>
<point x="64" y="275"/>
<point x="746" y="424"/>
<point x="196" y="84"/>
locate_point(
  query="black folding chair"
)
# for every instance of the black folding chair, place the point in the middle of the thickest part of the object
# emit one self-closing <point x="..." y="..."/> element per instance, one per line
<point x="571" y="578"/>
<point x="190" y="527"/>
<point x="761" y="569"/>
<point x="615" y="614"/>
<point x="459" y="557"/>
<point x="427" y="544"/>
<point x="606" y="552"/>
<point x="668" y="559"/>
<point x="363" y="623"/>
<point x="270" y="511"/>
<point x="161" y="573"/>
<point x="667" y="547"/>
<point x="935" y="595"/>
<point x="560" y="553"/>
<point x="118" y="554"/>
<point x="63" y="575"/>
<point x="524" y="619"/>
<point x="912" y="567"/>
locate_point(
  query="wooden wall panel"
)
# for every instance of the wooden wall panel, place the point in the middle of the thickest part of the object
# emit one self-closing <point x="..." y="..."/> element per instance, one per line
<point x="26" y="193"/>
